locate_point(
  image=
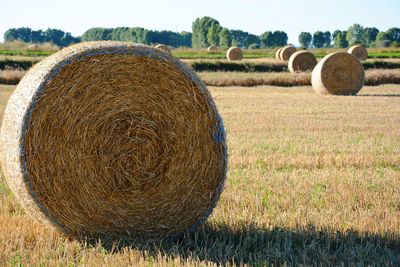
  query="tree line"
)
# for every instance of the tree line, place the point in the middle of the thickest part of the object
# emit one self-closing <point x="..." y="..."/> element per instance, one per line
<point x="207" y="31"/>
<point x="27" y="35"/>
<point x="355" y="34"/>
<point x="139" y="35"/>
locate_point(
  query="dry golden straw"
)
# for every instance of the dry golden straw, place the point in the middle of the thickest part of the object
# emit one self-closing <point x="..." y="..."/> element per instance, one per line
<point x="302" y="61"/>
<point x="164" y="48"/>
<point x="286" y="52"/>
<point x="111" y="139"/>
<point x="234" y="53"/>
<point x="338" y="73"/>
<point x="278" y="54"/>
<point x="212" y="48"/>
<point x="359" y="52"/>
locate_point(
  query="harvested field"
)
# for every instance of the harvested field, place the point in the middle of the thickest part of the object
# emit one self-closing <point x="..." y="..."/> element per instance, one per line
<point x="373" y="77"/>
<point x="323" y="191"/>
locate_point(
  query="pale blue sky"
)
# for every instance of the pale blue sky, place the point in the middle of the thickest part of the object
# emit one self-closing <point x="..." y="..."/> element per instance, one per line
<point x="254" y="16"/>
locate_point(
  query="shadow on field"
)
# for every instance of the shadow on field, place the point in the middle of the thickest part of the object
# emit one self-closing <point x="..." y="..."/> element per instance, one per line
<point x="254" y="246"/>
<point x="381" y="95"/>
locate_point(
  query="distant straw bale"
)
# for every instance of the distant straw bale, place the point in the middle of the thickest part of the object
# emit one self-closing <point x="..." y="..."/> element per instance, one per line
<point x="359" y="52"/>
<point x="164" y="48"/>
<point x="286" y="52"/>
<point x="302" y="61"/>
<point x="212" y="48"/>
<point x="278" y="54"/>
<point x="338" y="73"/>
<point x="234" y="53"/>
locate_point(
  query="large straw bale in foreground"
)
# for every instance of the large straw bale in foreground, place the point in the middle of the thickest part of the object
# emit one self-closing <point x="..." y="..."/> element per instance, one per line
<point x="286" y="52"/>
<point x="302" y="61"/>
<point x="234" y="53"/>
<point x="110" y="139"/>
<point x="359" y="52"/>
<point x="338" y="73"/>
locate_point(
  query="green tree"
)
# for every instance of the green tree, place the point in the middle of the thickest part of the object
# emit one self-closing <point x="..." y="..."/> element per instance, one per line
<point x="273" y="39"/>
<point x="267" y="39"/>
<point x="120" y="34"/>
<point x="340" y="40"/>
<point x="393" y="34"/>
<point x="68" y="39"/>
<point x="382" y="40"/>
<point x="38" y="37"/>
<point x="370" y="35"/>
<point x="355" y="35"/>
<point x="225" y="39"/>
<point x="335" y="33"/>
<point x="243" y="39"/>
<point x="97" y="34"/>
<point x="185" y="39"/>
<point x="55" y="36"/>
<point x="327" y="39"/>
<point x="200" y="31"/>
<point x="21" y="34"/>
<point x="280" y="38"/>
<point x="305" y="39"/>
<point x="318" y="39"/>
<point x="213" y="34"/>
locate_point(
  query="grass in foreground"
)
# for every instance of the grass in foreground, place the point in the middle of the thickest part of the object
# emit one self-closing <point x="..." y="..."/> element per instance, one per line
<point x="312" y="180"/>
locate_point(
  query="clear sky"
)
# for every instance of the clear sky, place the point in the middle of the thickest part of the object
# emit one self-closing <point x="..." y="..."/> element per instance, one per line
<point x="254" y="16"/>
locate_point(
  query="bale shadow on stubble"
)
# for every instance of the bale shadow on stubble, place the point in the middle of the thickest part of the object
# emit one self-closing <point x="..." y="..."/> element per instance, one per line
<point x="277" y="246"/>
<point x="381" y="95"/>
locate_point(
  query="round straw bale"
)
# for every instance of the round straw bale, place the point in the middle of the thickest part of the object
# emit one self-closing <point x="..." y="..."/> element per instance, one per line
<point x="164" y="48"/>
<point x="338" y="73"/>
<point x="278" y="54"/>
<point x="286" y="52"/>
<point x="234" y="53"/>
<point x="33" y="46"/>
<point x="302" y="61"/>
<point x="359" y="52"/>
<point x="114" y="139"/>
<point x="212" y="48"/>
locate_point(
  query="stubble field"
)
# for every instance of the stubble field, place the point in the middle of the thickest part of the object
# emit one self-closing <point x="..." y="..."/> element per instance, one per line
<point x="312" y="180"/>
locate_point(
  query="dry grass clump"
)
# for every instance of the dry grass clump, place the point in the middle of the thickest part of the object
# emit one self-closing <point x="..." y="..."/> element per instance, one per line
<point x="234" y="53"/>
<point x="112" y="138"/>
<point x="359" y="52"/>
<point x="248" y="79"/>
<point x="164" y="48"/>
<point x="11" y="76"/>
<point x="338" y="73"/>
<point x="302" y="61"/>
<point x="22" y="46"/>
<point x="286" y="52"/>
<point x="212" y="48"/>
<point x="254" y="79"/>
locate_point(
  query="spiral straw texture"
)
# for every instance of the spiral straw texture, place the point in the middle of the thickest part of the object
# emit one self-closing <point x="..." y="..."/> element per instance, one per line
<point x="286" y="52"/>
<point x="212" y="48"/>
<point x="302" y="61"/>
<point x="359" y="52"/>
<point x="234" y="53"/>
<point x="111" y="139"/>
<point x="338" y="73"/>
